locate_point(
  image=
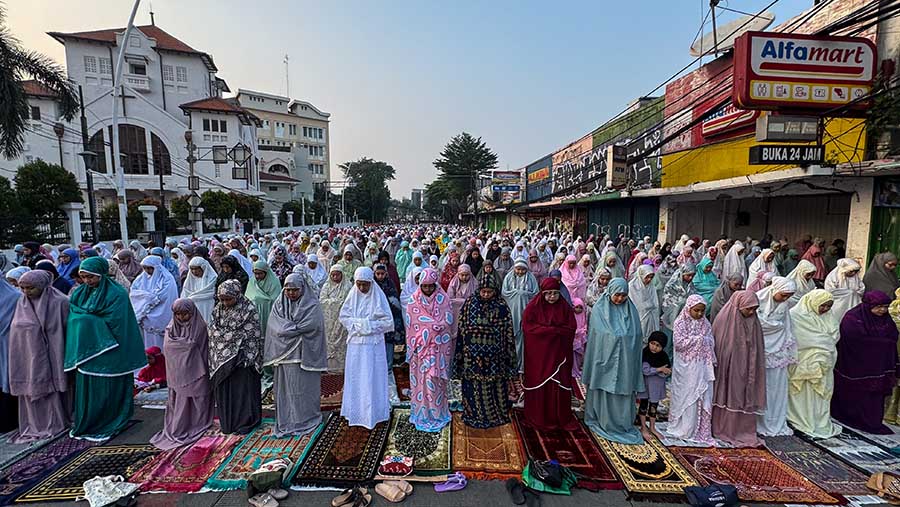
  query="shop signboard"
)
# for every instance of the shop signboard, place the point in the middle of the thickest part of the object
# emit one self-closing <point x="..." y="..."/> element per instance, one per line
<point x="773" y="154"/>
<point x="802" y="72"/>
<point x="726" y="119"/>
<point x="507" y="188"/>
<point x="505" y="177"/>
<point x="539" y="175"/>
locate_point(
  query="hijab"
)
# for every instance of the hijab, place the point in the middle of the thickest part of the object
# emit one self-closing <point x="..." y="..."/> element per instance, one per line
<point x="70" y="269"/>
<point x="295" y="332"/>
<point x="656" y="359"/>
<point x="879" y="277"/>
<point x="814" y="255"/>
<point x="237" y="273"/>
<point x="233" y="330"/>
<point x="155" y="371"/>
<point x="187" y="348"/>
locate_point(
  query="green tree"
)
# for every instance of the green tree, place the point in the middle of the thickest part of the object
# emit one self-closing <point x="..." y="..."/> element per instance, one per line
<point x="9" y="205"/>
<point x="248" y="207"/>
<point x="436" y="194"/>
<point x="41" y="188"/>
<point x="181" y="209"/>
<point x="16" y="65"/>
<point x="217" y="205"/>
<point x="460" y="163"/>
<point x="369" y="195"/>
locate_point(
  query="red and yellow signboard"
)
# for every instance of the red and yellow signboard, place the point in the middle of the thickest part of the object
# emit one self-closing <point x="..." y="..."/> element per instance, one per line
<point x="790" y="71"/>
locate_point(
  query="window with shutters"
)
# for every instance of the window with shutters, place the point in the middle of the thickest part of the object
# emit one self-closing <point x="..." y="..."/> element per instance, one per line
<point x="105" y="66"/>
<point x="161" y="159"/>
<point x="181" y="74"/>
<point x="168" y="73"/>
<point x="90" y="64"/>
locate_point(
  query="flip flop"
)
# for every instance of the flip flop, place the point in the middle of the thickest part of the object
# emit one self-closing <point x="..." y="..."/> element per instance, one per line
<point x="347" y="497"/>
<point x="390" y="493"/>
<point x="455" y="482"/>
<point x="516" y="491"/>
<point x="263" y="500"/>
<point x="402" y="486"/>
<point x="278" y="494"/>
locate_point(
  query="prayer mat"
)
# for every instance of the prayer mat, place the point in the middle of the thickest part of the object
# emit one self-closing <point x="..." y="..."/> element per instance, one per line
<point x="646" y="469"/>
<point x="259" y="446"/>
<point x="343" y="454"/>
<point x="826" y="471"/>
<point x="155" y="399"/>
<point x="889" y="442"/>
<point x="454" y="396"/>
<point x="757" y="475"/>
<point x="332" y="391"/>
<point x="185" y="469"/>
<point x="431" y="452"/>
<point x="855" y="450"/>
<point x="29" y="470"/>
<point x="401" y="376"/>
<point x="66" y="482"/>
<point x="574" y="449"/>
<point x="486" y="454"/>
<point x="10" y="452"/>
<point x="268" y="399"/>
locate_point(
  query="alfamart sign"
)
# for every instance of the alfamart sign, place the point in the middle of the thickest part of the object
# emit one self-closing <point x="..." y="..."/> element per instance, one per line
<point x="789" y="71"/>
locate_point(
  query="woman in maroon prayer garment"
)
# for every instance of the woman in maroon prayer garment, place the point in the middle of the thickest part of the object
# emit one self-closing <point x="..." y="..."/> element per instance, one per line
<point x="866" y="369"/>
<point x="739" y="393"/>
<point x="549" y="327"/>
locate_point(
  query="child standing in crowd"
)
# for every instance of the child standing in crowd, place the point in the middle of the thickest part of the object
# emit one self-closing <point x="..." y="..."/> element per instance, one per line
<point x="657" y="368"/>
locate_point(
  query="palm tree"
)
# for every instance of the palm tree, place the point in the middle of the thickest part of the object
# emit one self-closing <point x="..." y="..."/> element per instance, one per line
<point x="17" y="63"/>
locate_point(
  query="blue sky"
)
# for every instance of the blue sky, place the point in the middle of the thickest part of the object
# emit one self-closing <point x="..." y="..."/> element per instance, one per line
<point x="401" y="78"/>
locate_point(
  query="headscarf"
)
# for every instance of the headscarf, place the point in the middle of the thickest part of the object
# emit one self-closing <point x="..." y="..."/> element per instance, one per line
<point x="70" y="269"/>
<point x="60" y="284"/>
<point x="645" y="299"/>
<point x="867" y="350"/>
<point x="362" y="313"/>
<point x="878" y="277"/>
<point x="460" y="290"/>
<point x="734" y="263"/>
<point x="816" y="337"/>
<point x="187" y="347"/>
<point x="237" y="273"/>
<point x="182" y="260"/>
<point x="296" y="329"/>
<point x="797" y="275"/>
<point x="155" y="372"/>
<point x="317" y="275"/>
<point x="233" y="330"/>
<point x="617" y="271"/>
<point x="282" y="268"/>
<point x="722" y="295"/>
<point x="449" y="271"/>
<point x="263" y="293"/>
<point x="101" y="318"/>
<point x="245" y="263"/>
<point x="429" y="320"/>
<point x="706" y="283"/>
<point x="781" y="347"/>
<point x="538" y="269"/>
<point x="116" y="275"/>
<point x="791" y="258"/>
<point x="614" y="344"/>
<point x="847" y="290"/>
<point x="740" y="354"/>
<point x="762" y="280"/>
<point x="676" y="293"/>
<point x="814" y="255"/>
<point x="37" y="336"/>
<point x="475" y="263"/>
<point x="152" y="296"/>
<point x="128" y="265"/>
<point x="167" y="263"/>
<point x="759" y="264"/>
<point x="573" y="278"/>
<point x="137" y="249"/>
<point x="201" y="290"/>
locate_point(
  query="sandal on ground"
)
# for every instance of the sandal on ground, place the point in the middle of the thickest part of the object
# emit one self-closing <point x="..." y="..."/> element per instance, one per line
<point x="347" y="497"/>
<point x="532" y="498"/>
<point x="278" y="494"/>
<point x="401" y="485"/>
<point x="263" y="500"/>
<point x="887" y="484"/>
<point x="363" y="499"/>
<point x="390" y="493"/>
<point x="516" y="491"/>
<point x="455" y="482"/>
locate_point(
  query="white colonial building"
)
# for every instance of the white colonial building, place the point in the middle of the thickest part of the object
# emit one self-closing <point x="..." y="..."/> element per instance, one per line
<point x="168" y="88"/>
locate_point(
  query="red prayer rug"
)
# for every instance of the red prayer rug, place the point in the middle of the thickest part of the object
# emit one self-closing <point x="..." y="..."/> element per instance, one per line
<point x="756" y="473"/>
<point x="185" y="469"/>
<point x="574" y="449"/>
<point x="332" y="391"/>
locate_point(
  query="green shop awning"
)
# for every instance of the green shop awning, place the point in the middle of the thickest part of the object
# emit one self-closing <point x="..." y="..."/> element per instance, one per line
<point x="594" y="198"/>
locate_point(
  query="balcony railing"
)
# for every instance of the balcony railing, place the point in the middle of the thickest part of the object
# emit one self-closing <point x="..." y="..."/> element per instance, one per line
<point x="269" y="147"/>
<point x="137" y="82"/>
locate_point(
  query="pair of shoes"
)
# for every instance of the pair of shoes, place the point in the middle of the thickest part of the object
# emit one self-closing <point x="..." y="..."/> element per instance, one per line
<point x="394" y="491"/>
<point x="521" y="494"/>
<point x="352" y="497"/>
<point x="455" y="482"/>
<point x="263" y="500"/>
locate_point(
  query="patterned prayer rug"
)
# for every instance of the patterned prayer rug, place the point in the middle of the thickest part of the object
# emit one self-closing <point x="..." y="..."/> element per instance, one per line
<point x="155" y="399"/>
<point x="574" y="449"/>
<point x="185" y="469"/>
<point x="486" y="454"/>
<point x="332" y="391"/>
<point x="431" y="452"/>
<point x="889" y="442"/>
<point x="859" y="452"/>
<point x="646" y="469"/>
<point x="26" y="472"/>
<point x="343" y="454"/>
<point x="826" y="471"/>
<point x="10" y="452"/>
<point x="259" y="446"/>
<point x="268" y="399"/>
<point x="66" y="482"/>
<point x="757" y="475"/>
<point x="401" y="376"/>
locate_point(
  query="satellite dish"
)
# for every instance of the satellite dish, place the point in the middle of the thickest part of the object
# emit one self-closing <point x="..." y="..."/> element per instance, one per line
<point x="725" y="34"/>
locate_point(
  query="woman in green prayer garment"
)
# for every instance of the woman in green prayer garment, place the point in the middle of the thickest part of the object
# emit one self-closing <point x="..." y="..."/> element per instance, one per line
<point x="105" y="348"/>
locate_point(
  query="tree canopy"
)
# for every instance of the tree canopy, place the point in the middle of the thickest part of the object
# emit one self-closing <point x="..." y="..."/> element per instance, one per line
<point x="247" y="207"/>
<point x="459" y="165"/>
<point x="16" y="65"/>
<point x="42" y="188"/>
<point x="369" y="195"/>
<point x="217" y="205"/>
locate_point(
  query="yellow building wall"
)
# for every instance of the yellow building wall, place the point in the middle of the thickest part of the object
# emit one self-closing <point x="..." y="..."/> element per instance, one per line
<point x="845" y="141"/>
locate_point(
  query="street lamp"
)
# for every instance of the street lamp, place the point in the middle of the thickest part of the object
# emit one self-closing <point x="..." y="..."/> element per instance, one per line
<point x="90" y="161"/>
<point x="60" y="130"/>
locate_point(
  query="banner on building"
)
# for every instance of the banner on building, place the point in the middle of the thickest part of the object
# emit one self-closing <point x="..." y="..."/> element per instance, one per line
<point x="792" y="71"/>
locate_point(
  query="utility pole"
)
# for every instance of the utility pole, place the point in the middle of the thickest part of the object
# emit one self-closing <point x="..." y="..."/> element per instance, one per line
<point x="88" y="170"/>
<point x="287" y="76"/>
<point x="162" y="201"/>
<point x="117" y="83"/>
<point x="193" y="183"/>
<point x="303" y="209"/>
